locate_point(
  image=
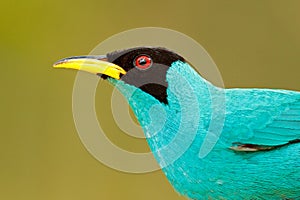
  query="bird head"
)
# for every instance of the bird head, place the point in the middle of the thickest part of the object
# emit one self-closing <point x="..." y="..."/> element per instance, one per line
<point x="142" y="67"/>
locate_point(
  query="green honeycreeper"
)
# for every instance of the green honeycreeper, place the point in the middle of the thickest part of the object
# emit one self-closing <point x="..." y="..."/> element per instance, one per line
<point x="211" y="143"/>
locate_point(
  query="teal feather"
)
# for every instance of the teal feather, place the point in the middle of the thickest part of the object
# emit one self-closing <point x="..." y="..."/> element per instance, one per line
<point x="177" y="130"/>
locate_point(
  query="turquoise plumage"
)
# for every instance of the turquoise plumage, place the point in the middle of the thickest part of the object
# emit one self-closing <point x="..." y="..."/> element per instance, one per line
<point x="211" y="143"/>
<point x="252" y="116"/>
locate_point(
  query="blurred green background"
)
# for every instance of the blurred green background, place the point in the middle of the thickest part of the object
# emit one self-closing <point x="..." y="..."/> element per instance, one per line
<point x="254" y="43"/>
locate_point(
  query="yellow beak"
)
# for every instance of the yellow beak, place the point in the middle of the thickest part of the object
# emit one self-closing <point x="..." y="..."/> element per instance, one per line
<point x="92" y="64"/>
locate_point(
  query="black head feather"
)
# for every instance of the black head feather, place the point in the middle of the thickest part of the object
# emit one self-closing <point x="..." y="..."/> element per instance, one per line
<point x="151" y="79"/>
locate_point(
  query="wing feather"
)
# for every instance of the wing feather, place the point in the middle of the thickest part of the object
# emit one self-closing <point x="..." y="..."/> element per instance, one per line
<point x="272" y="118"/>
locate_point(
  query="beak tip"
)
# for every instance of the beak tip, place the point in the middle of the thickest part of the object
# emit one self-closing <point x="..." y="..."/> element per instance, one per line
<point x="57" y="65"/>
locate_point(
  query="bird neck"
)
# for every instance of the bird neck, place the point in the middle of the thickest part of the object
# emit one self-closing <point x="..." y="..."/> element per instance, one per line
<point x="171" y="128"/>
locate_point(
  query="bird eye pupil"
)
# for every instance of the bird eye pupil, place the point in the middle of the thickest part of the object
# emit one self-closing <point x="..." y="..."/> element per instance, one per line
<point x="142" y="61"/>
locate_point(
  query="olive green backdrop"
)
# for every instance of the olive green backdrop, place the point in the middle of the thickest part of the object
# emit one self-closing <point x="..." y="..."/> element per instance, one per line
<point x="254" y="43"/>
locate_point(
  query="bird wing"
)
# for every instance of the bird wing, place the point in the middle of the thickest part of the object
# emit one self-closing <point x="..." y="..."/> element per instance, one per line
<point x="262" y="119"/>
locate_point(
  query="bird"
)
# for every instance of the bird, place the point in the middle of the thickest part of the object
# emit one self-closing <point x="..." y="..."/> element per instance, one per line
<point x="210" y="142"/>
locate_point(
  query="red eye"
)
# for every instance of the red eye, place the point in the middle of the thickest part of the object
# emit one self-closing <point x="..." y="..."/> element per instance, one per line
<point x="143" y="62"/>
